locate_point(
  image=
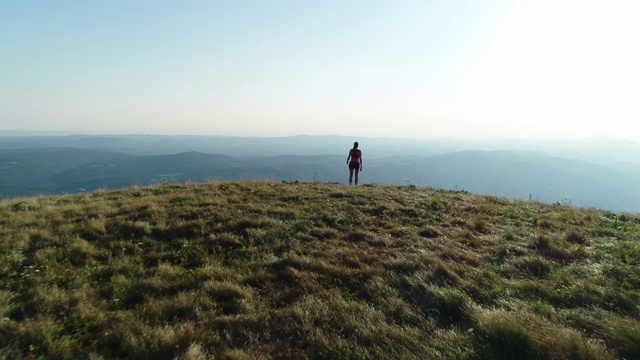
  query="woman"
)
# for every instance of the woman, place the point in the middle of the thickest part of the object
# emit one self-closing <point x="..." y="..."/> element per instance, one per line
<point x="355" y="162"/>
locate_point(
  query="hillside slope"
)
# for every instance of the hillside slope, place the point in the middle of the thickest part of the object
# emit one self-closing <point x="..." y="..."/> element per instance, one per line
<point x="28" y="172"/>
<point x="266" y="270"/>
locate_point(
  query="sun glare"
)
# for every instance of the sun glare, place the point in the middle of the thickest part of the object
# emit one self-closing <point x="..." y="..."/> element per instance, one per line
<point x="565" y="66"/>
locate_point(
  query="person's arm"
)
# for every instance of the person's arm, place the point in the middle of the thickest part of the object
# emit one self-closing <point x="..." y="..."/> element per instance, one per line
<point x="360" y="160"/>
<point x="349" y="156"/>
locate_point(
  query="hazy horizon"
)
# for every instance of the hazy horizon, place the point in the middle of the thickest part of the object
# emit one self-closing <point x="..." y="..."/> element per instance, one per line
<point x="452" y="138"/>
<point x="477" y="70"/>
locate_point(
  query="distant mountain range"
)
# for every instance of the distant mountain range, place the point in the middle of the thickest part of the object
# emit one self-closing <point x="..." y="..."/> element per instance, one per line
<point x="53" y="165"/>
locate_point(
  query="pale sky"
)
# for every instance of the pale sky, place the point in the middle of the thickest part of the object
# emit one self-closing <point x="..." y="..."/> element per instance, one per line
<point x="482" y="68"/>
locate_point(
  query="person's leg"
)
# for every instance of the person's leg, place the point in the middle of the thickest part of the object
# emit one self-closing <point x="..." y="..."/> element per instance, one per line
<point x="356" y="171"/>
<point x="351" y="175"/>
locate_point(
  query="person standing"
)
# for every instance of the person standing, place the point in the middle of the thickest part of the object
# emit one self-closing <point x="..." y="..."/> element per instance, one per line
<point x="355" y="162"/>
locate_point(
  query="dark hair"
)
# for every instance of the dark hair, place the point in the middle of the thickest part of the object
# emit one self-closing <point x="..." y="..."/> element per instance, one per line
<point x="355" y="144"/>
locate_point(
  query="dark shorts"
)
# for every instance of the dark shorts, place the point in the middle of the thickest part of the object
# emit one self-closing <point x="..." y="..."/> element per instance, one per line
<point x="354" y="165"/>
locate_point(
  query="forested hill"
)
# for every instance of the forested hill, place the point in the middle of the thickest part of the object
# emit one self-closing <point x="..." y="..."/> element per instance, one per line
<point x="514" y="174"/>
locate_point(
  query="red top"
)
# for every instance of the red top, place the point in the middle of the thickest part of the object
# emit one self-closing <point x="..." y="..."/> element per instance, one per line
<point x="355" y="155"/>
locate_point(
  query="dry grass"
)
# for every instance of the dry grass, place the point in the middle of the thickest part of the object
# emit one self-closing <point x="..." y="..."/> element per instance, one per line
<point x="265" y="270"/>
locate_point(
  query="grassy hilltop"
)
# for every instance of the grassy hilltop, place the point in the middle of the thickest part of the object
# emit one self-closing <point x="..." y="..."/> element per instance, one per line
<point x="265" y="270"/>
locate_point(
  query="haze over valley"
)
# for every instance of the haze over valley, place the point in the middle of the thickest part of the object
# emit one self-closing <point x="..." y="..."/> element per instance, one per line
<point x="595" y="172"/>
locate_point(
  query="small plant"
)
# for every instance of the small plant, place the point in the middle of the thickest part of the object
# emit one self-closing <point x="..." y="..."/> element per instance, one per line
<point x="534" y="267"/>
<point x="576" y="238"/>
<point x="543" y="242"/>
<point x="410" y="185"/>
<point x="21" y="206"/>
<point x="437" y="204"/>
<point x="479" y="225"/>
<point x="429" y="233"/>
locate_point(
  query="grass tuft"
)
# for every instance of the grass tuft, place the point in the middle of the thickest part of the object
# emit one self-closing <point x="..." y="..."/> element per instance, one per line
<point x="576" y="238"/>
